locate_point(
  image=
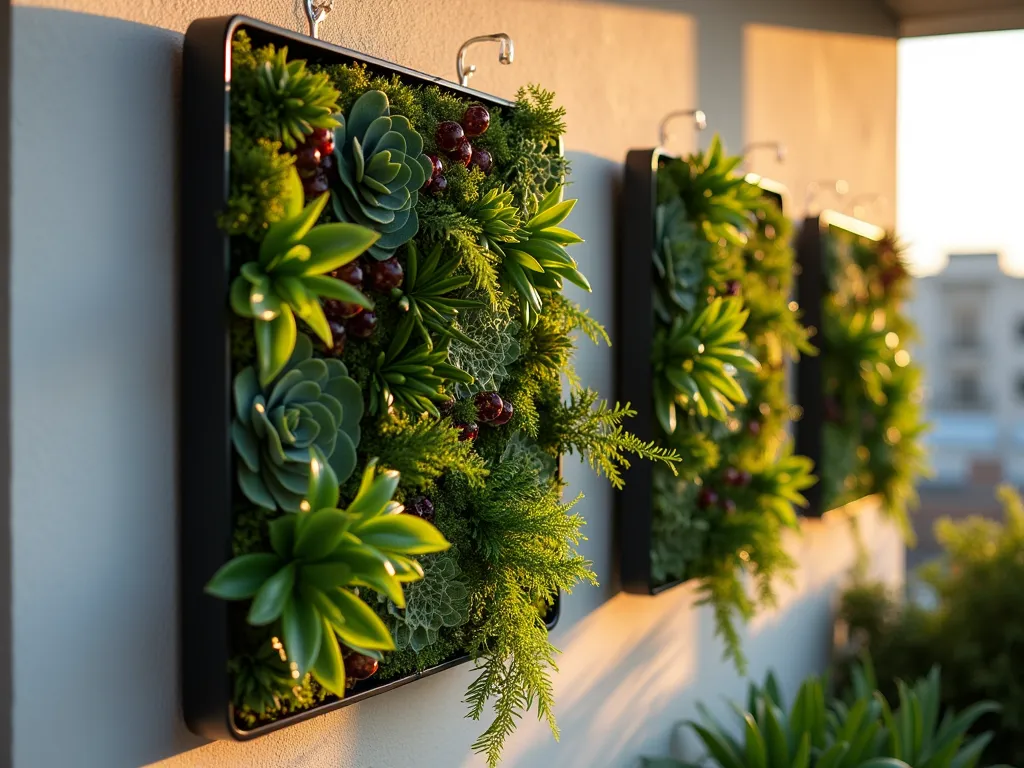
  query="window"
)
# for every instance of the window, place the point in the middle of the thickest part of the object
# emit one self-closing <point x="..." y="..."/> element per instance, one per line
<point x="966" y="390"/>
<point x="966" y="326"/>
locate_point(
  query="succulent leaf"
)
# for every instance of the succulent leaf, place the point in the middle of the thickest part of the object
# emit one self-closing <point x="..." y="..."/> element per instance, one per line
<point x="381" y="169"/>
<point x="292" y="100"/>
<point x="311" y="404"/>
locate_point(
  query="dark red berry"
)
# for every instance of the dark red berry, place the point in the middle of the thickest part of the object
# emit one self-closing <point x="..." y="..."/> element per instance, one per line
<point x="754" y="428"/>
<point x="729" y="506"/>
<point x="438" y="185"/>
<point x="445" y="408"/>
<point x="449" y="135"/>
<point x="421" y="507"/>
<point x="481" y="159"/>
<point x="338" y="336"/>
<point x="745" y="479"/>
<point x="503" y="418"/>
<point x="732" y="476"/>
<point x="468" y="431"/>
<point x="329" y="167"/>
<point x="307" y="158"/>
<point x="322" y="139"/>
<point x="462" y="153"/>
<point x="707" y="498"/>
<point x="315" y="185"/>
<point x="362" y="325"/>
<point x="475" y="120"/>
<point x="359" y="667"/>
<point x="489" y="406"/>
<point x="733" y="288"/>
<point x="436" y="169"/>
<point x="385" y="275"/>
<point x="340" y="310"/>
<point x="351" y="273"/>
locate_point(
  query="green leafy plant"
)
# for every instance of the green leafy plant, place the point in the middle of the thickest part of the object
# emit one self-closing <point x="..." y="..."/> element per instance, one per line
<point x="440" y="599"/>
<point x="289" y="277"/>
<point x="821" y="733"/>
<point x="311" y="404"/>
<point x="972" y="630"/>
<point x="426" y="295"/>
<point x="412" y="378"/>
<point x="320" y="555"/>
<point x="537" y="262"/>
<point x="260" y="175"/>
<point x="280" y="99"/>
<point x="382" y="168"/>
<point x="696" y="361"/>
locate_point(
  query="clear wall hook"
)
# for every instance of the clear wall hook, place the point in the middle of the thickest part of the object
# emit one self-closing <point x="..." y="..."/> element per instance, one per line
<point x="506" y="54"/>
<point x="700" y="122"/>
<point x="840" y="187"/>
<point x="316" y="12"/>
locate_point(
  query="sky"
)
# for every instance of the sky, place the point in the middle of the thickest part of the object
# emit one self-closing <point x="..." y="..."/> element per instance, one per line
<point x="961" y="148"/>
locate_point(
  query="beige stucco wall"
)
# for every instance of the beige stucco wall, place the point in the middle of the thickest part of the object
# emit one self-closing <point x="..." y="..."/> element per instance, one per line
<point x="94" y="188"/>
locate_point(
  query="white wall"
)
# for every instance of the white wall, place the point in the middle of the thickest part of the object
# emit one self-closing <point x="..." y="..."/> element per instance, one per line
<point x="93" y="333"/>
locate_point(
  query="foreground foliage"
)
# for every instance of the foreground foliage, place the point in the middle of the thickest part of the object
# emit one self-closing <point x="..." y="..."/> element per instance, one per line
<point x="862" y="731"/>
<point x="974" y="631"/>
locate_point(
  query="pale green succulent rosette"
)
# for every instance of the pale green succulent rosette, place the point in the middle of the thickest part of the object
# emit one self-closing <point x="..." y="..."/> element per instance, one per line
<point x="312" y="403"/>
<point x="382" y="167"/>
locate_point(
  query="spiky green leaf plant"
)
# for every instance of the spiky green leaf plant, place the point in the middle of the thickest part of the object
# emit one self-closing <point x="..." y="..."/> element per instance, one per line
<point x="412" y="378"/>
<point x="312" y="404"/>
<point x="381" y="168"/>
<point x="321" y="555"/>
<point x="697" y="360"/>
<point x="537" y="262"/>
<point x="290" y="276"/>
<point x="286" y="101"/>
<point x="426" y="295"/>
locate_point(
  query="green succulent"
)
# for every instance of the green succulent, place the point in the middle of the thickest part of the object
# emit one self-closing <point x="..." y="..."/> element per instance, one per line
<point x="294" y="101"/>
<point x="679" y="255"/>
<point x="439" y="600"/>
<point x="290" y="276"/>
<point x="320" y="557"/>
<point x="260" y="678"/>
<point x="537" y="262"/>
<point x="696" y="361"/>
<point x="499" y="218"/>
<point x="381" y="168"/>
<point x="425" y="295"/>
<point x="312" y="404"/>
<point x="412" y="378"/>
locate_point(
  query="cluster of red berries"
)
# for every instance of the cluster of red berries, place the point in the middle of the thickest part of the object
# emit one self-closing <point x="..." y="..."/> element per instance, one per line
<point x="315" y="162"/>
<point x="453" y="139"/>
<point x="733" y="477"/>
<point x="347" y="319"/>
<point x="491" y="409"/>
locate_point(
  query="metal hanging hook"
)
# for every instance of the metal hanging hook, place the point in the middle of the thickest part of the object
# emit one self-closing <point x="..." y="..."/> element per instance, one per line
<point x="700" y="122"/>
<point x="777" y="146"/>
<point x="840" y="187"/>
<point x="316" y="12"/>
<point x="859" y="203"/>
<point x="506" y="54"/>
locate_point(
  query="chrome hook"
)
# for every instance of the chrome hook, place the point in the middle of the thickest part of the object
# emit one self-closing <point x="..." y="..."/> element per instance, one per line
<point x="316" y="12"/>
<point x="859" y="203"/>
<point x="778" y="146"/>
<point x="506" y="54"/>
<point x="700" y="122"/>
<point x="840" y="187"/>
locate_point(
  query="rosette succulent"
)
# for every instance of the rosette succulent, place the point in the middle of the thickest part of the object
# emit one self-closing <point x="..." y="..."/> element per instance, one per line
<point x="319" y="556"/>
<point x="312" y="404"/>
<point x="290" y="276"/>
<point x="381" y="168"/>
